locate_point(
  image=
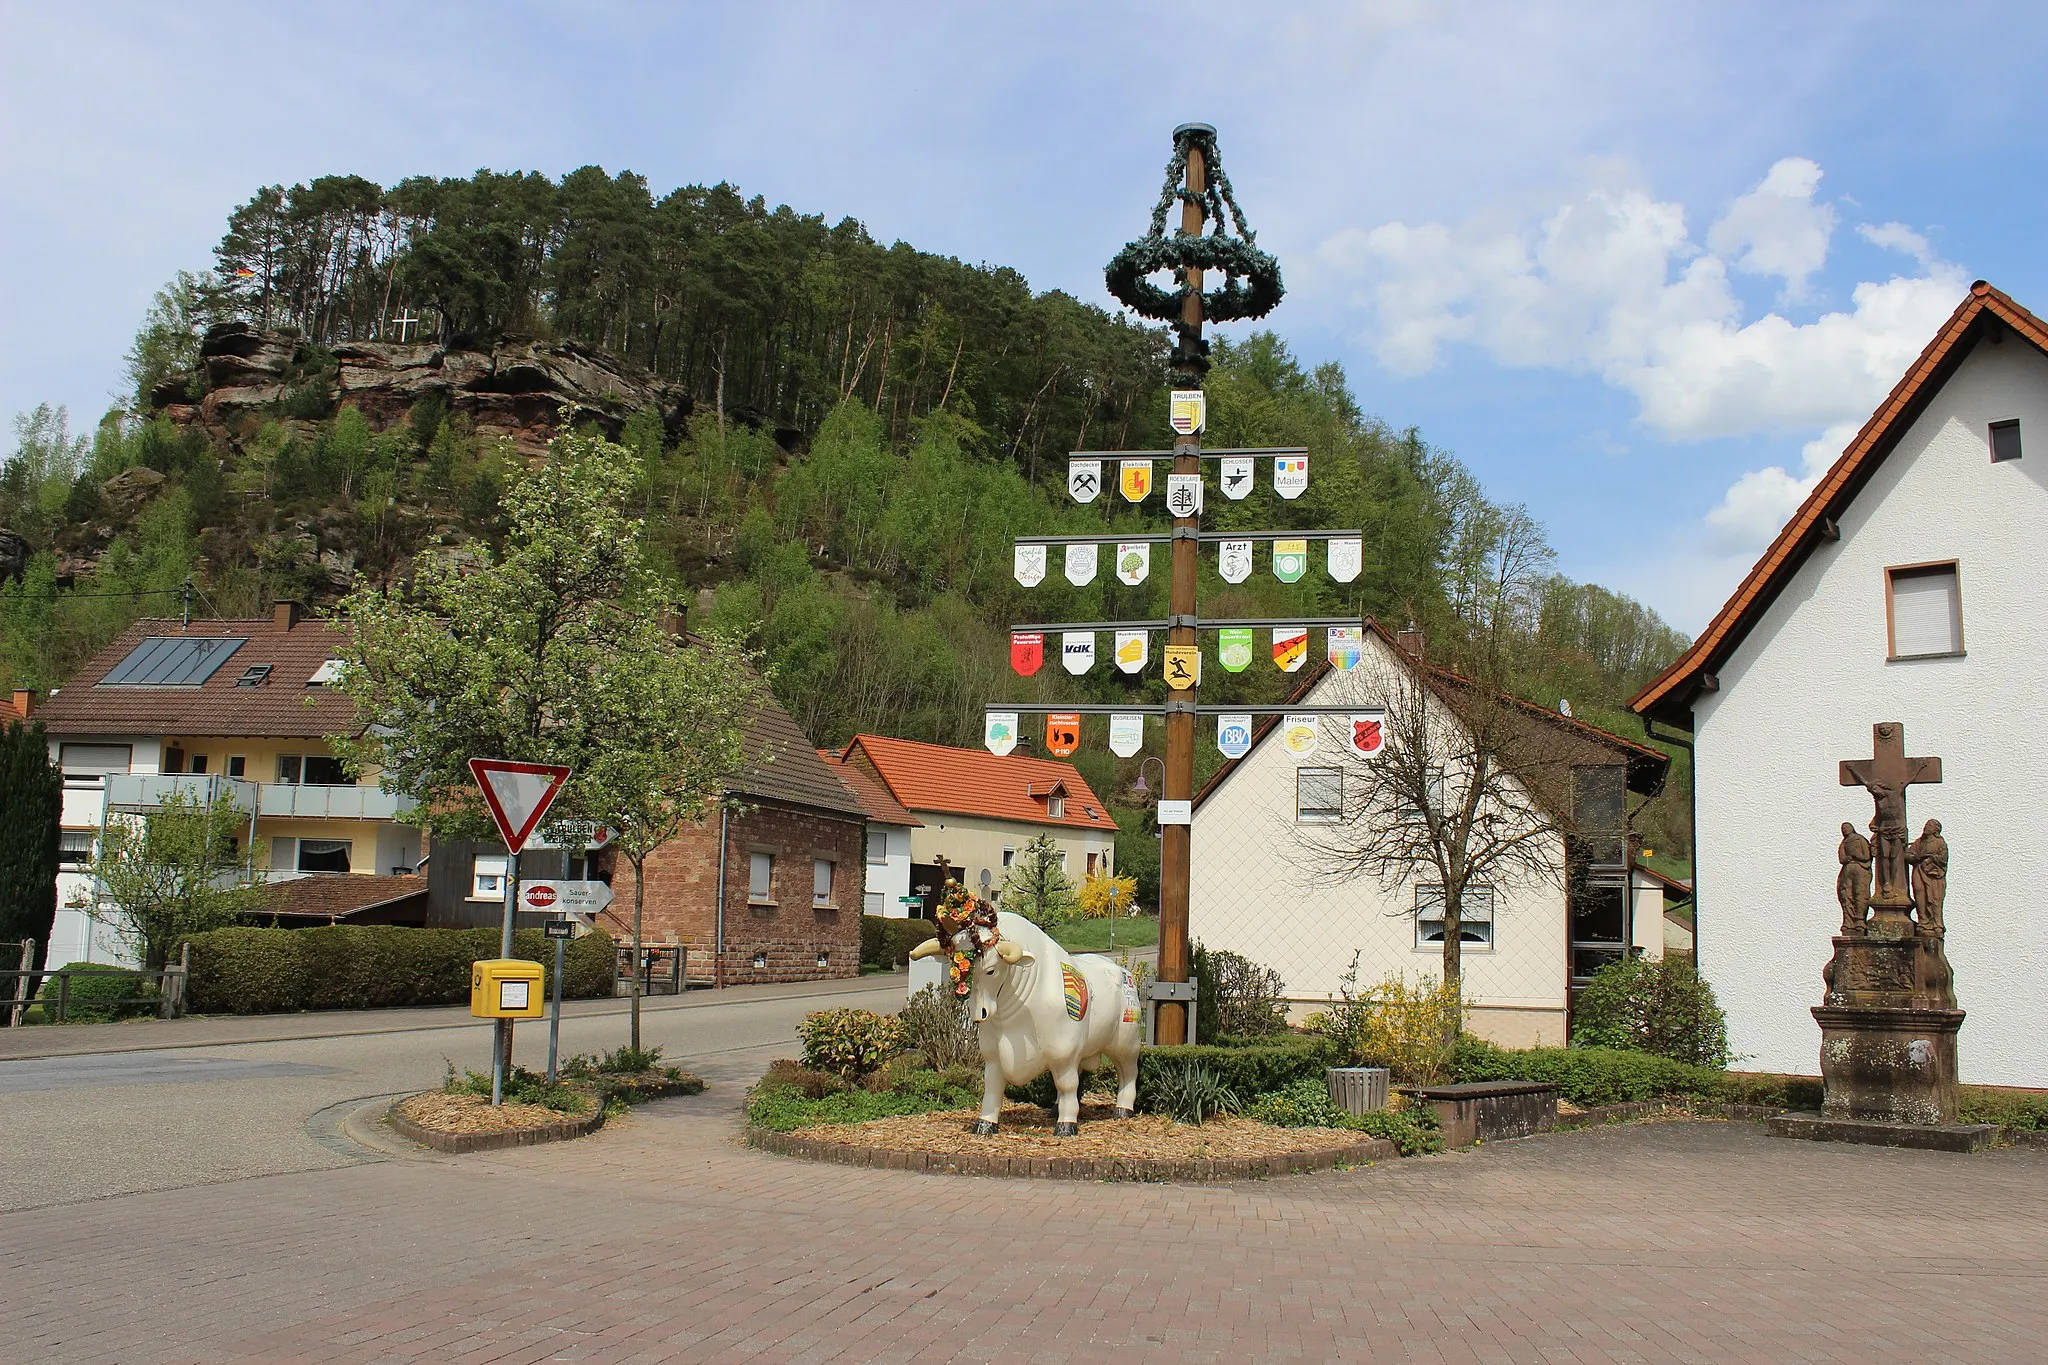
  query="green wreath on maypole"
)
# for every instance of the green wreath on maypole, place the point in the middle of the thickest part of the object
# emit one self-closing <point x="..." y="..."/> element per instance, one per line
<point x="1251" y="286"/>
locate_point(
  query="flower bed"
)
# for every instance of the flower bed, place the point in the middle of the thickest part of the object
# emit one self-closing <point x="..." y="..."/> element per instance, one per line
<point x="1146" y="1147"/>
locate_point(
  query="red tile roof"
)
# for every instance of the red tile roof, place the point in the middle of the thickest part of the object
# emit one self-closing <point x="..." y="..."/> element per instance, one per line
<point x="872" y="793"/>
<point x="281" y="705"/>
<point x="938" y="777"/>
<point x="1669" y="697"/>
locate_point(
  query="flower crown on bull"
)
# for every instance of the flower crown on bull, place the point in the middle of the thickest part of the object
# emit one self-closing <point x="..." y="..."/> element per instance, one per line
<point x="967" y="926"/>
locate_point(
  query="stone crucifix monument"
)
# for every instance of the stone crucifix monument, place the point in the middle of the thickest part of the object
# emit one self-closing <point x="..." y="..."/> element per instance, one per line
<point x="1888" y="1021"/>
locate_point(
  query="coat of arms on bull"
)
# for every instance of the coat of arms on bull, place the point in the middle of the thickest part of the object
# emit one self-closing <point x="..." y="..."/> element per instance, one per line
<point x="1035" y="1008"/>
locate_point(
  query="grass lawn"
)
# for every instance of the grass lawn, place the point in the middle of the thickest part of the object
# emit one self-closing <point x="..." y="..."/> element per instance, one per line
<point x="1092" y="935"/>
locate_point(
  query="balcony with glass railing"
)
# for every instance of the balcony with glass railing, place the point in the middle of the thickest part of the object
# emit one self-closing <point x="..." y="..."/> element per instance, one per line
<point x="308" y="801"/>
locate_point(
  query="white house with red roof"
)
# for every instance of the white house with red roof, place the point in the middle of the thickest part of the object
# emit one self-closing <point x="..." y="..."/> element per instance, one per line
<point x="1907" y="587"/>
<point x="978" y="810"/>
<point x="887" y="890"/>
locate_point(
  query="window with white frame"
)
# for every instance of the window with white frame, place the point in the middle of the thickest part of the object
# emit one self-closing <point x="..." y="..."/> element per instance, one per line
<point x="878" y="846"/>
<point x="1924" y="605"/>
<point x="1318" y="795"/>
<point x="324" y="855"/>
<point x="1009" y="856"/>
<point x="1475" y="916"/>
<point x="821" y="881"/>
<point x="761" y="877"/>
<point x="487" y="876"/>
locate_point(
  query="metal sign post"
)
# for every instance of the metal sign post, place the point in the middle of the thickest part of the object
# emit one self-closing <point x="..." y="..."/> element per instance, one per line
<point x="560" y="931"/>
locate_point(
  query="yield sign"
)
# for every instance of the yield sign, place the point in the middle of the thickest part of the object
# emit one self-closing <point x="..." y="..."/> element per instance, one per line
<point x="518" y="794"/>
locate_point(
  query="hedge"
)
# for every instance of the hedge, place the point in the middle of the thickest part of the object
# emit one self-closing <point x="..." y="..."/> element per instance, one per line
<point x="362" y="966"/>
<point x="886" y="943"/>
<point x="98" y="994"/>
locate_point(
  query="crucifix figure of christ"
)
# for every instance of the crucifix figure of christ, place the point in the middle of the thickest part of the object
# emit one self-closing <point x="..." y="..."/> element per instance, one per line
<point x="1886" y="774"/>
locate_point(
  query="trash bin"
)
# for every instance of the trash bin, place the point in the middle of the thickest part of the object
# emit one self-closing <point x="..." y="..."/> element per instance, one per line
<point x="1357" y="1089"/>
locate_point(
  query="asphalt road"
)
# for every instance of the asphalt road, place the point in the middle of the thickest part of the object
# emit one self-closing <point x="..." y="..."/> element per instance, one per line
<point x="207" y="1107"/>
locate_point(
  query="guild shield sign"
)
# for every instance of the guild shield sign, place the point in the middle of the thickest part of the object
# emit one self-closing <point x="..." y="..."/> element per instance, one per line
<point x="1133" y="561"/>
<point x="1187" y="411"/>
<point x="1062" y="733"/>
<point x="1084" y="479"/>
<point x="1290" y="475"/>
<point x="1290" y="560"/>
<point x="1347" y="557"/>
<point x="1234" y="648"/>
<point x="1135" y="479"/>
<point x="1298" y="733"/>
<point x="1027" y="652"/>
<point x="1183" y="666"/>
<point x="1133" y="649"/>
<point x="1234" y="735"/>
<point x="1030" y="565"/>
<point x="1126" y="733"/>
<point x="1234" y="560"/>
<point x="1081" y="564"/>
<point x="1237" y="476"/>
<point x="999" y="732"/>
<point x="1369" y="734"/>
<point x="1290" y="647"/>
<point x="1077" y="650"/>
<point x="1184" y="494"/>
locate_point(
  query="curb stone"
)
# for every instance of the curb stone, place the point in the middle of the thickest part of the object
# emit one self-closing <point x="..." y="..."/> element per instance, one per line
<point x="1361" y="1153"/>
<point x="491" y="1142"/>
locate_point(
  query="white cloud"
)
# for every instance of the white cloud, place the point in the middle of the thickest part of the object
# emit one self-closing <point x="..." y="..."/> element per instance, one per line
<point x="1777" y="229"/>
<point x="1897" y="237"/>
<point x="1612" y="282"/>
<point x="1759" y="502"/>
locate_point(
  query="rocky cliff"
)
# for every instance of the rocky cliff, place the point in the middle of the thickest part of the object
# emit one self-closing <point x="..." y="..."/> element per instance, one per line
<point x="517" y="387"/>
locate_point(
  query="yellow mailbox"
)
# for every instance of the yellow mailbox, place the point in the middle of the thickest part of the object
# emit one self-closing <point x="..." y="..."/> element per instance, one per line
<point x="506" y="988"/>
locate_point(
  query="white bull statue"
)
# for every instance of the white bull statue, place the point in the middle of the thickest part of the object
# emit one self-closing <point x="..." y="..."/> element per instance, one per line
<point x="1035" y="1008"/>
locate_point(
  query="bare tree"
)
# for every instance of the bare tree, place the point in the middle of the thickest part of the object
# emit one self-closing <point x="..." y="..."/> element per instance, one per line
<point x="1469" y="791"/>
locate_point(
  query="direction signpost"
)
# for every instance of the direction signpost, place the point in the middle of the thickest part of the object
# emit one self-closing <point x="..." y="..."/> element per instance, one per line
<point x="518" y="796"/>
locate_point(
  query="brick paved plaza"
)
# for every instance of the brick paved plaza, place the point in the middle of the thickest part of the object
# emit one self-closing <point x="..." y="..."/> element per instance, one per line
<point x="661" y="1239"/>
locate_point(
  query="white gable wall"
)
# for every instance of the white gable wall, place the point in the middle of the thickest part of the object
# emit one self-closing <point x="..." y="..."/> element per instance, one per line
<point x="1802" y="691"/>
<point x="1253" y="891"/>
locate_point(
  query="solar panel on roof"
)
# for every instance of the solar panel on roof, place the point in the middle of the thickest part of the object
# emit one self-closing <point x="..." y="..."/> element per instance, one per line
<point x="173" y="661"/>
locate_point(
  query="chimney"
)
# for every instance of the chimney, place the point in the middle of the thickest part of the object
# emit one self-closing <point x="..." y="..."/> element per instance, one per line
<point x="285" y="615"/>
<point x="675" y="620"/>
<point x="1410" y="640"/>
<point x="24" y="702"/>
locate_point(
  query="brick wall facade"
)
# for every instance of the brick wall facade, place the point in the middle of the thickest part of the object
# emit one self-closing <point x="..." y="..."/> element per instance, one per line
<point x="786" y="933"/>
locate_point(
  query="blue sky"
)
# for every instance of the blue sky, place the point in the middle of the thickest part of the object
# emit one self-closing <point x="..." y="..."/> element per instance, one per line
<point x="1643" y="266"/>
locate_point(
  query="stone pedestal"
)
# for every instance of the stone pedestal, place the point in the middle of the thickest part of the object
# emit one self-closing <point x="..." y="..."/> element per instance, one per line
<point x="1888" y="1025"/>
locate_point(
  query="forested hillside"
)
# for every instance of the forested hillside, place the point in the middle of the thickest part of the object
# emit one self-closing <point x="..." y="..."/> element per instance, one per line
<point x="839" y="442"/>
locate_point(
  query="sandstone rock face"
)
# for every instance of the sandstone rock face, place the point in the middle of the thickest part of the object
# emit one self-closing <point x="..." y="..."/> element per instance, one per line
<point x="519" y="388"/>
<point x="128" y="490"/>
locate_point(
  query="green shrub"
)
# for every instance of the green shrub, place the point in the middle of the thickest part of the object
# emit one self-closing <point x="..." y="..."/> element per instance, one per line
<point x="1593" y="1075"/>
<point x="1405" y="1028"/>
<point x="98" y="994"/>
<point x="2025" y="1111"/>
<point x="887" y="942"/>
<point x="1307" y="1104"/>
<point x="1660" y="1007"/>
<point x="1236" y="996"/>
<point x="1188" y="1092"/>
<point x="354" y="966"/>
<point x="1249" y="1070"/>
<point x="522" y="1087"/>
<point x="848" y="1042"/>
<point x="791" y="1096"/>
<point x="935" y="1023"/>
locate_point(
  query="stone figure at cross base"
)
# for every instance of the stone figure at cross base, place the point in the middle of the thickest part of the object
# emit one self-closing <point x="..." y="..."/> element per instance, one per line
<point x="1034" y="1008"/>
<point x="1852" y="884"/>
<point x="1928" y="857"/>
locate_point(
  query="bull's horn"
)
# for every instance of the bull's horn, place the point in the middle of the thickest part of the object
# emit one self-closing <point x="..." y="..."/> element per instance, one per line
<point x="1011" y="951"/>
<point x="931" y="947"/>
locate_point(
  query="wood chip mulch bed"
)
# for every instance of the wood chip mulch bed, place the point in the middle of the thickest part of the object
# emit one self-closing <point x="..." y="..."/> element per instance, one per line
<point x="469" y="1123"/>
<point x="1148" y="1147"/>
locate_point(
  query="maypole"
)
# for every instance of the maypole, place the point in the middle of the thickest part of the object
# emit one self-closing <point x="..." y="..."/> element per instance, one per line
<point x="1250" y="289"/>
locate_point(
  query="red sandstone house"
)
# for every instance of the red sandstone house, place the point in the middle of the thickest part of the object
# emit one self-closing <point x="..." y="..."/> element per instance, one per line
<point x="772" y="893"/>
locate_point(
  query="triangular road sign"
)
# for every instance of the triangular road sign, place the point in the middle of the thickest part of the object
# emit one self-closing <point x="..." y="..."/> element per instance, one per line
<point x="518" y="794"/>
